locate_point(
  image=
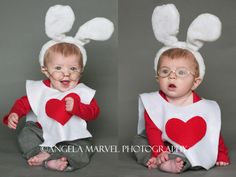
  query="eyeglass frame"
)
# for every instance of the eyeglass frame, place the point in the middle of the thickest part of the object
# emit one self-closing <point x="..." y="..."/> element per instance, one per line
<point x="174" y="71"/>
<point x="45" y="69"/>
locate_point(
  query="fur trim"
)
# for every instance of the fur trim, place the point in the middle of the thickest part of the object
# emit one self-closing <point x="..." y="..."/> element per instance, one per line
<point x="103" y="26"/>
<point x="59" y="20"/>
<point x="206" y="27"/>
<point x="165" y="22"/>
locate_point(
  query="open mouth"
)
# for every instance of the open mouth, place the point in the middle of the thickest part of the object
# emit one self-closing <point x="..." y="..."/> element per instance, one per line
<point x="172" y="86"/>
<point x="65" y="82"/>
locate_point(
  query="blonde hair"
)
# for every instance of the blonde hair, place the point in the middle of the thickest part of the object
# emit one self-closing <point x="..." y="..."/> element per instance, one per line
<point x="65" y="49"/>
<point x="175" y="53"/>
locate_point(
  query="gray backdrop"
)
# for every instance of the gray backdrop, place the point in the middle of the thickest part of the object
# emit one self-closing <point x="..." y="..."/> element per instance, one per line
<point x="118" y="73"/>
<point x="21" y="38"/>
<point x="138" y="47"/>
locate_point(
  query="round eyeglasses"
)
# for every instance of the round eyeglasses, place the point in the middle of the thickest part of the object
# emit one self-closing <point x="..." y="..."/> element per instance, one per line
<point x="59" y="75"/>
<point x="180" y="72"/>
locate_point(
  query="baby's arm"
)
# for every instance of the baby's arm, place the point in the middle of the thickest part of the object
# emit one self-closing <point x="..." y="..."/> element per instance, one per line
<point x="13" y="119"/>
<point x="85" y="111"/>
<point x="20" y="108"/>
<point x="159" y="150"/>
<point x="223" y="157"/>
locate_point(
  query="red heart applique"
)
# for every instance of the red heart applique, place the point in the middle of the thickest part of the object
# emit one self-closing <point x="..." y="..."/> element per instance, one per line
<point x="56" y="109"/>
<point x="186" y="134"/>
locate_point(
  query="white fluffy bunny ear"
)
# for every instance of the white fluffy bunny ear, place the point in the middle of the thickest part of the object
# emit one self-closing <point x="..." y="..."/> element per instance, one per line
<point x="165" y="23"/>
<point x="59" y="20"/>
<point x="206" y="27"/>
<point x="99" y="29"/>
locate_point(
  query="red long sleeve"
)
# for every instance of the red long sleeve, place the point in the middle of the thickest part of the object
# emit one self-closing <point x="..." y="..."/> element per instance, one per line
<point x="155" y="140"/>
<point x="85" y="111"/>
<point x="154" y="136"/>
<point x="223" y="155"/>
<point x="21" y="107"/>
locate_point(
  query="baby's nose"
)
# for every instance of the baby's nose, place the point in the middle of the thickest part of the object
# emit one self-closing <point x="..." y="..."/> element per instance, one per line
<point x="172" y="75"/>
<point x="66" y="72"/>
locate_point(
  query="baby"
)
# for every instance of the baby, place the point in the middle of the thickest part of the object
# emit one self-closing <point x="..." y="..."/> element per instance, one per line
<point x="182" y="129"/>
<point x="55" y="134"/>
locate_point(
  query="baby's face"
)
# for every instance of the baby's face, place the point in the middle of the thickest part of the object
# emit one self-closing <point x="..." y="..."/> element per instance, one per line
<point x="181" y="80"/>
<point x="63" y="72"/>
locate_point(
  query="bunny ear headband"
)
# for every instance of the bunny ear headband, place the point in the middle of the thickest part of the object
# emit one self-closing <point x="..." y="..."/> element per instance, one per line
<point x="165" y="23"/>
<point x="59" y="20"/>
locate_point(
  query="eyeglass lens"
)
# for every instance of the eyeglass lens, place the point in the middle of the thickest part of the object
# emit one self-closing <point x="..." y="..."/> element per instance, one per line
<point x="179" y="72"/>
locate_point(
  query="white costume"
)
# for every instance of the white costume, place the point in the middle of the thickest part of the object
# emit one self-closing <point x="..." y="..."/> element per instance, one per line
<point x="193" y="129"/>
<point x="46" y="103"/>
<point x="48" y="108"/>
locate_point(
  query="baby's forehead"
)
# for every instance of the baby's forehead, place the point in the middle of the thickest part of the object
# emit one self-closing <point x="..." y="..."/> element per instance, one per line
<point x="57" y="57"/>
<point x="187" y="59"/>
<point x="177" y="61"/>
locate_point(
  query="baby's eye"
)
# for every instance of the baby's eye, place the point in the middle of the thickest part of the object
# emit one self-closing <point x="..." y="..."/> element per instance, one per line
<point x="182" y="72"/>
<point x="58" y="68"/>
<point x="165" y="71"/>
<point x="74" y="69"/>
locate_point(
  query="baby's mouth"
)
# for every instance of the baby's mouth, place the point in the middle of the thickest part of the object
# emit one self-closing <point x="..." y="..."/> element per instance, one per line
<point x="172" y="86"/>
<point x="65" y="82"/>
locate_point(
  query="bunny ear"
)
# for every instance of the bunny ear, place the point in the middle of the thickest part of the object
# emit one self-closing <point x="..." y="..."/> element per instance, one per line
<point x="59" y="20"/>
<point x="99" y="29"/>
<point x="165" y="23"/>
<point x="206" y="27"/>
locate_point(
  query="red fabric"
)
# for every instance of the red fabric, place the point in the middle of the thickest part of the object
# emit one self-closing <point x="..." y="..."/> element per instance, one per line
<point x="154" y="135"/>
<point x="183" y="133"/>
<point x="223" y="155"/>
<point x="21" y="107"/>
<point x="56" y="110"/>
<point x="47" y="82"/>
<point x="86" y="111"/>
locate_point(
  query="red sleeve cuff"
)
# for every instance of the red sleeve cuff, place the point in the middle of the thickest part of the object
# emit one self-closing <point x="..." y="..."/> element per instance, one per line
<point x="75" y="109"/>
<point x="5" y="118"/>
<point x="86" y="112"/>
<point x="223" y="158"/>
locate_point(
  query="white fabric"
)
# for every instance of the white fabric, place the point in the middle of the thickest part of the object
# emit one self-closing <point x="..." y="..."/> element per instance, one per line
<point x="203" y="153"/>
<point x="53" y="132"/>
<point x="59" y="20"/>
<point x="165" y="22"/>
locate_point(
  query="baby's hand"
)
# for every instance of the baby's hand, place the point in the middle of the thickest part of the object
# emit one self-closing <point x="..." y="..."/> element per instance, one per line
<point x="12" y="120"/>
<point x="69" y="103"/>
<point x="152" y="163"/>
<point x="221" y="163"/>
<point x="162" y="157"/>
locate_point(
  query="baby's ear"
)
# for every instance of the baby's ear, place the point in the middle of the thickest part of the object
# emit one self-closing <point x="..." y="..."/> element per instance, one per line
<point x="157" y="78"/>
<point x="196" y="83"/>
<point x="44" y="71"/>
